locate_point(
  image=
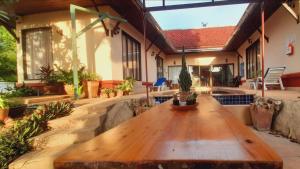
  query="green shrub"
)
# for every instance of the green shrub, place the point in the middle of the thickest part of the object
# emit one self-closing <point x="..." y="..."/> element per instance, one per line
<point x="185" y="81"/>
<point x="14" y="142"/>
<point x="58" y="109"/>
<point x="22" y="91"/>
<point x="48" y="75"/>
<point x="126" y="85"/>
<point x="3" y="103"/>
<point x="66" y="76"/>
<point x="90" y="76"/>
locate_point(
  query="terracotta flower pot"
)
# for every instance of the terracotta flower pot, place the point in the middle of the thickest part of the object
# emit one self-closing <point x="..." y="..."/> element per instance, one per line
<point x="3" y="114"/>
<point x="125" y="93"/>
<point x="53" y="89"/>
<point x="261" y="117"/>
<point x="91" y="88"/>
<point x="183" y="96"/>
<point x="69" y="89"/>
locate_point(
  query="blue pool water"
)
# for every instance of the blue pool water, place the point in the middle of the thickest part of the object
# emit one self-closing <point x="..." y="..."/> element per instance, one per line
<point x="162" y="99"/>
<point x="235" y="99"/>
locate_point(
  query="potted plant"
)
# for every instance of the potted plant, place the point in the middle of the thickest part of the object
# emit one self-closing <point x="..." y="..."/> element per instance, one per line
<point x="115" y="91"/>
<point x="49" y="77"/>
<point x="262" y="112"/>
<point x="185" y="81"/>
<point x="107" y="91"/>
<point x="90" y="84"/>
<point x="4" y="108"/>
<point x="66" y="77"/>
<point x="126" y="86"/>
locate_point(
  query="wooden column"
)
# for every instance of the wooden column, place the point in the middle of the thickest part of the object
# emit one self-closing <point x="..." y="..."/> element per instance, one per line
<point x="262" y="48"/>
<point x="146" y="59"/>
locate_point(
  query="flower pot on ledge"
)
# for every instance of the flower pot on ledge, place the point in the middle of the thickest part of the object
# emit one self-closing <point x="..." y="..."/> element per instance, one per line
<point x="261" y="117"/>
<point x="91" y="88"/>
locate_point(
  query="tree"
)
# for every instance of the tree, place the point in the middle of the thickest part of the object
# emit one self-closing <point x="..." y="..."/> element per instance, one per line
<point x="7" y="56"/>
<point x="185" y="80"/>
<point x="8" y="20"/>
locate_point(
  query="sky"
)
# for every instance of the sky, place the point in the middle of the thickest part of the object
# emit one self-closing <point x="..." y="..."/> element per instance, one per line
<point x="217" y="16"/>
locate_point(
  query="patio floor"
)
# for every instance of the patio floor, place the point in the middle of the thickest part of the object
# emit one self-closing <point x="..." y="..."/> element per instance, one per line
<point x="289" y="151"/>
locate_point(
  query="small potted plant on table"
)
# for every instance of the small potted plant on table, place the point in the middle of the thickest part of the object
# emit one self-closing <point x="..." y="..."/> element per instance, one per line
<point x="187" y="99"/>
<point x="90" y="84"/>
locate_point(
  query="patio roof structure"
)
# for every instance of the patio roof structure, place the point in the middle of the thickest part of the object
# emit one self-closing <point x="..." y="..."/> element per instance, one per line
<point x="248" y="24"/>
<point x="260" y="8"/>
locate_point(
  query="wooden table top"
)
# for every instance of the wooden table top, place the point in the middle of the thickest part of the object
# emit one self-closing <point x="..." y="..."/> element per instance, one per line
<point x="209" y="137"/>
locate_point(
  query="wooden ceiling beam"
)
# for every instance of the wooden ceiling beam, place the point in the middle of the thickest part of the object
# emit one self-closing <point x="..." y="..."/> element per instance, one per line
<point x="202" y="4"/>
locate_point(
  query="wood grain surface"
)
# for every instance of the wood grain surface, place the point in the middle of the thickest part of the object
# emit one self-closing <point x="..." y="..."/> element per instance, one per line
<point x="208" y="137"/>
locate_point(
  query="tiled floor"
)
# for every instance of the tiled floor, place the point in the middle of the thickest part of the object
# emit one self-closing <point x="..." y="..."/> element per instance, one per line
<point x="276" y="94"/>
<point x="289" y="151"/>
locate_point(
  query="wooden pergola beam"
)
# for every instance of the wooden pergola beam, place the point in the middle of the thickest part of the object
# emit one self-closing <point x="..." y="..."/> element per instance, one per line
<point x="197" y="5"/>
<point x="266" y="37"/>
<point x="292" y="12"/>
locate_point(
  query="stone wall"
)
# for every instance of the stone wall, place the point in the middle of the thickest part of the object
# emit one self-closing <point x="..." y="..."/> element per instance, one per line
<point x="85" y="123"/>
<point x="288" y="120"/>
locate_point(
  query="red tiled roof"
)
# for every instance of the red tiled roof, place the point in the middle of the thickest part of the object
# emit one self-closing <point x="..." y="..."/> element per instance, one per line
<point x="215" y="37"/>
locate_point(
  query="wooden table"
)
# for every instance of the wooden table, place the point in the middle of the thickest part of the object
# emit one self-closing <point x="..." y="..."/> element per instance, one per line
<point x="161" y="138"/>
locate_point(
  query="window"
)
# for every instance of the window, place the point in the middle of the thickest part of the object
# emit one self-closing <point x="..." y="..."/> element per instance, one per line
<point x="131" y="54"/>
<point x="160" y="67"/>
<point x="37" y="51"/>
<point x="174" y="72"/>
<point x="252" y="60"/>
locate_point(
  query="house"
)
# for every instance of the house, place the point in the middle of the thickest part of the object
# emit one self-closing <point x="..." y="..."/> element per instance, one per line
<point x="44" y="30"/>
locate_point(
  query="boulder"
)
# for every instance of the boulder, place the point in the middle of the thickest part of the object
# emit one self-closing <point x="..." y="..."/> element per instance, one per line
<point x="288" y="120"/>
<point x="117" y="114"/>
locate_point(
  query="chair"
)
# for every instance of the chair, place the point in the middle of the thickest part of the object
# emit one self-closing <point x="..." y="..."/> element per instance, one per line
<point x="160" y="83"/>
<point x="272" y="77"/>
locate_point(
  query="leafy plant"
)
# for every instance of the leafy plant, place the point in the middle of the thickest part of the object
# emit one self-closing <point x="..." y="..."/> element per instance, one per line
<point x="21" y="91"/>
<point x="3" y="103"/>
<point x="66" y="76"/>
<point x="185" y="80"/>
<point x="58" y="109"/>
<point x="126" y="85"/>
<point x="14" y="142"/>
<point x="107" y="91"/>
<point x="90" y="76"/>
<point x="48" y="75"/>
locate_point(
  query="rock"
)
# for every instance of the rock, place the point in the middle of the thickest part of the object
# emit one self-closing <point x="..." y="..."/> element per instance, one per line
<point x="117" y="114"/>
<point x="288" y="120"/>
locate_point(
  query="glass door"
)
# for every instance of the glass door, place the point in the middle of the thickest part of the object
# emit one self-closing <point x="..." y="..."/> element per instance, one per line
<point x="223" y="75"/>
<point x="195" y="75"/>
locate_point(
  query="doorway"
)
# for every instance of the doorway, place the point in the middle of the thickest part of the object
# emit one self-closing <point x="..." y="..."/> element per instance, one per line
<point x="223" y="75"/>
<point x="200" y="75"/>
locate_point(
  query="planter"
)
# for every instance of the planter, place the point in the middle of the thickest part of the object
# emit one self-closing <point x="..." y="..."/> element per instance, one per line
<point x="3" y="114"/>
<point x="126" y="93"/>
<point x="91" y="88"/>
<point x="183" y="96"/>
<point x="185" y="108"/>
<point x="17" y="111"/>
<point x="53" y="89"/>
<point x="261" y="117"/>
<point x="69" y="89"/>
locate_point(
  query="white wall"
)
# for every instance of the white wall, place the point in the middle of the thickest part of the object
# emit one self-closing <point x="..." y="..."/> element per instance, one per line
<point x="97" y="52"/>
<point x="282" y="29"/>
